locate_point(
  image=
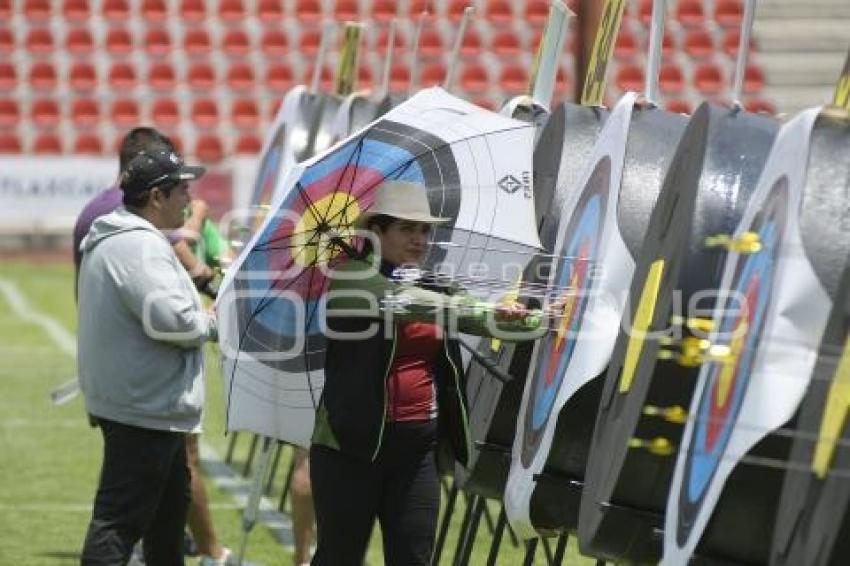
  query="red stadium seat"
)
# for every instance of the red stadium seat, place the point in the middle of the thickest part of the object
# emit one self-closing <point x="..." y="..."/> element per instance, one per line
<point x="690" y="13"/>
<point x="432" y="74"/>
<point x="231" y="11"/>
<point x="47" y="143"/>
<point x="708" y="79"/>
<point x="6" y="10"/>
<point x="671" y="79"/>
<point x="471" y="44"/>
<point x="116" y="10"/>
<point x="431" y="43"/>
<point x="161" y="77"/>
<point x="45" y="112"/>
<point x="85" y="112"/>
<point x="37" y="10"/>
<point x="165" y="113"/>
<point x="76" y="11"/>
<point x="474" y="79"/>
<point x="209" y="148"/>
<point x="244" y="113"/>
<point x="157" y="41"/>
<point x="122" y="76"/>
<point x="536" y="12"/>
<point x="205" y="112"/>
<point x="274" y="43"/>
<point x="279" y="78"/>
<point x="346" y="10"/>
<point x="236" y="43"/>
<point x="644" y="12"/>
<point x="384" y="10"/>
<point x="154" y="10"/>
<point x="42" y="75"/>
<point x="626" y="46"/>
<point x="270" y="11"/>
<point x="679" y="106"/>
<point x="88" y="144"/>
<point x="201" y="76"/>
<point x="79" y="42"/>
<point x="119" y="41"/>
<point x="39" y="41"/>
<point x="399" y="43"/>
<point x="418" y="6"/>
<point x="365" y="77"/>
<point x="193" y="11"/>
<point x="308" y="10"/>
<point x="760" y="105"/>
<point x="699" y="43"/>
<point x="732" y="40"/>
<point x="629" y="78"/>
<point x="247" y="143"/>
<point x="668" y="45"/>
<point x="485" y="102"/>
<point x="10" y="143"/>
<point x="7" y="40"/>
<point x="753" y="79"/>
<point x="308" y="43"/>
<point x="10" y="114"/>
<point x="326" y="80"/>
<point x="240" y="76"/>
<point x="456" y="8"/>
<point x="8" y="76"/>
<point x="499" y="12"/>
<point x="82" y="76"/>
<point x="125" y="112"/>
<point x="513" y="79"/>
<point x="196" y="42"/>
<point x="399" y="77"/>
<point x="506" y="43"/>
<point x="728" y="13"/>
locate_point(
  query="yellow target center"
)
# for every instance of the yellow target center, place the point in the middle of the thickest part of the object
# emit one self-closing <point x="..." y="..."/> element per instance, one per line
<point x="317" y="234"/>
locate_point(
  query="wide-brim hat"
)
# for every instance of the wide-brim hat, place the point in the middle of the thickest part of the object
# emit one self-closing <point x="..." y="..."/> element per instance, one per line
<point x="403" y="200"/>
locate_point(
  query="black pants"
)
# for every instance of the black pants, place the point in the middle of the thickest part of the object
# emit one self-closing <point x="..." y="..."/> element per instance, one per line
<point x="143" y="493"/>
<point x="401" y="489"/>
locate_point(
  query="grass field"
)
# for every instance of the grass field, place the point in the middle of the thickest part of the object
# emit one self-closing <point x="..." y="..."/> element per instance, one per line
<point x="51" y="457"/>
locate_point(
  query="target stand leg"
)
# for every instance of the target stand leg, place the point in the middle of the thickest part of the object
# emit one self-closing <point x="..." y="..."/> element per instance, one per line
<point x="444" y="524"/>
<point x="466" y="541"/>
<point x="501" y="522"/>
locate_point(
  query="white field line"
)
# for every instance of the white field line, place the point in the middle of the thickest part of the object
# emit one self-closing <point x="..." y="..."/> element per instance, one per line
<point x="222" y="475"/>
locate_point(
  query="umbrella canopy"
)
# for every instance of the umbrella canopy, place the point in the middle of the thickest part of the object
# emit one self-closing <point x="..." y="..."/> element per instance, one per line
<point x="476" y="168"/>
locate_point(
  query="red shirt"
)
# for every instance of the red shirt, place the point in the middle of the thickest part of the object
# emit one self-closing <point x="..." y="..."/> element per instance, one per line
<point x="411" y="392"/>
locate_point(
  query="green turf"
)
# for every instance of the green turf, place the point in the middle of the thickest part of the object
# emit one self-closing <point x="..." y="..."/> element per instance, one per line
<point x="51" y="456"/>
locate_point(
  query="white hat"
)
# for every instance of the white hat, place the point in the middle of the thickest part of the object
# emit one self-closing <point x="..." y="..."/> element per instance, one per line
<point x="403" y="200"/>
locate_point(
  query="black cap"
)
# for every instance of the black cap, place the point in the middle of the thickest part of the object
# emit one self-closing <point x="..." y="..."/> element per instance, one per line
<point x="153" y="167"/>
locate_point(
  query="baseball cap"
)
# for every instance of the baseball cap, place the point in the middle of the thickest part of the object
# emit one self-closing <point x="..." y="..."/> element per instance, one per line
<point x="153" y="167"/>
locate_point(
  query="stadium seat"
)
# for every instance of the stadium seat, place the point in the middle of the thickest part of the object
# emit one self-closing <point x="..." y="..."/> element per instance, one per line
<point x="626" y="46"/>
<point x="513" y="79"/>
<point x="346" y="10"/>
<point x="115" y="10"/>
<point x="236" y="43"/>
<point x="644" y="12"/>
<point x="196" y="42"/>
<point x="399" y="77"/>
<point x="10" y="143"/>
<point x="279" y="78"/>
<point x="456" y="8"/>
<point x="79" y="42"/>
<point x="47" y="143"/>
<point x="5" y="10"/>
<point x="760" y="105"/>
<point x="193" y="11"/>
<point x="690" y="13"/>
<point x="506" y="43"/>
<point x="10" y="114"/>
<point x="39" y="41"/>
<point x="85" y="112"/>
<point x="240" y="76"/>
<point x="165" y="113"/>
<point x="308" y="43"/>
<point x="88" y="144"/>
<point x="485" y="102"/>
<point x="244" y="113"/>
<point x="8" y="76"/>
<point x="76" y="11"/>
<point x="231" y="11"/>
<point x="157" y="41"/>
<point x="45" y="112"/>
<point x="432" y="74"/>
<point x="119" y="41"/>
<point x="42" y="75"/>
<point x="474" y="79"/>
<point x="7" y="40"/>
<point x="732" y="40"/>
<point x="125" y="112"/>
<point x="698" y="43"/>
<point x="671" y="79"/>
<point x="248" y="143"/>
<point x="205" y="112"/>
<point x="161" y="76"/>
<point x="365" y="77"/>
<point x="37" y="10"/>
<point x="536" y="12"/>
<point x="209" y="149"/>
<point x="308" y="10"/>
<point x="274" y="43"/>
<point x="431" y="42"/>
<point x="629" y="77"/>
<point x="200" y="76"/>
<point x="471" y="44"/>
<point x="728" y="13"/>
<point x="384" y="10"/>
<point x="416" y="7"/>
<point x="82" y="76"/>
<point x="679" y="106"/>
<point x="499" y="12"/>
<point x="326" y="80"/>
<point x="154" y="11"/>
<point x="753" y="79"/>
<point x="399" y="42"/>
<point x="668" y="45"/>
<point x="122" y="76"/>
<point x="708" y="79"/>
<point x="270" y="11"/>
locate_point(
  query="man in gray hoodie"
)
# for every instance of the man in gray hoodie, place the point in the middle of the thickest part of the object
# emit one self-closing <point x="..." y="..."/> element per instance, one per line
<point x="140" y="333"/>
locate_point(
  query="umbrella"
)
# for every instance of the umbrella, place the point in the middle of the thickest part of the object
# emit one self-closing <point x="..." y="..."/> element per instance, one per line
<point x="476" y="168"/>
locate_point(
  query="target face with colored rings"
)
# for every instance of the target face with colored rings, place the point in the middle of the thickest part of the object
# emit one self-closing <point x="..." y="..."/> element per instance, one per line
<point x="572" y="282"/>
<point x="741" y="328"/>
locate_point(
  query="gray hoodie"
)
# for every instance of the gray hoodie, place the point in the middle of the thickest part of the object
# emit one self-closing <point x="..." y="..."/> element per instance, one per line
<point x="141" y="328"/>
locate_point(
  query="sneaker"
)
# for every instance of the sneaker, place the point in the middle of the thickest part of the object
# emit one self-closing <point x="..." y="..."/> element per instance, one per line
<point x="227" y="559"/>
